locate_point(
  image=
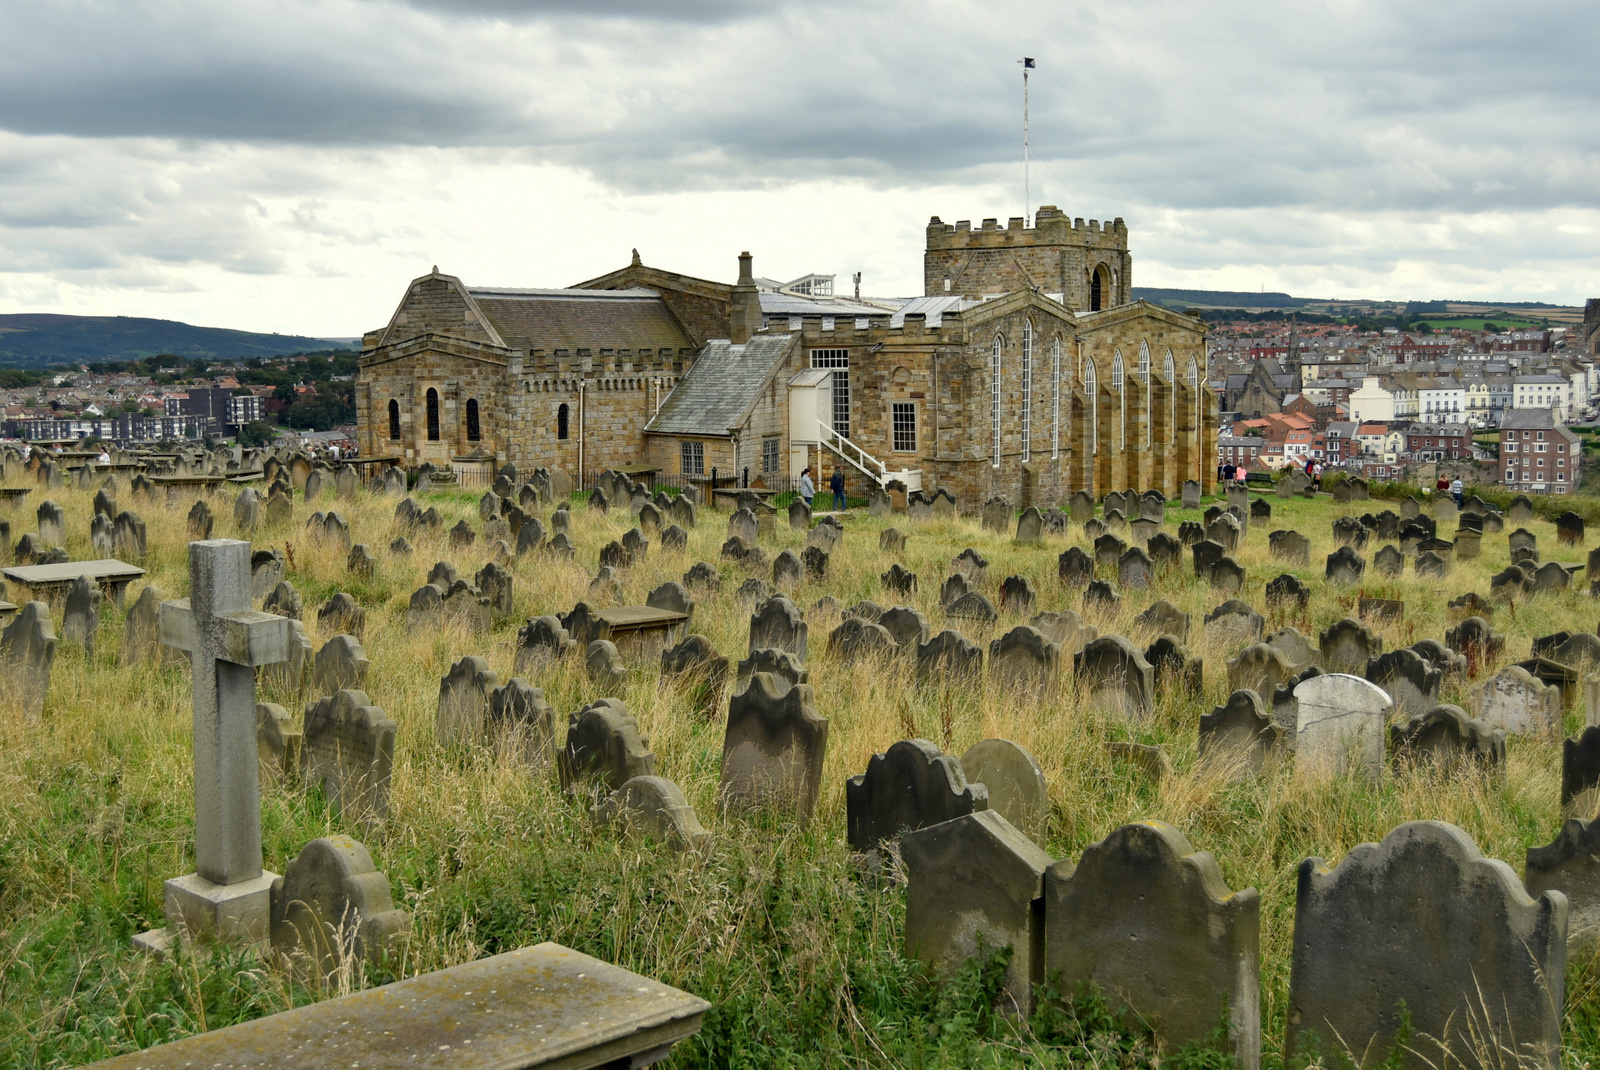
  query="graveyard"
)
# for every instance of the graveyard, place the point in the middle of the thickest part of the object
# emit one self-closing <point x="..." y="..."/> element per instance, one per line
<point x="497" y="697"/>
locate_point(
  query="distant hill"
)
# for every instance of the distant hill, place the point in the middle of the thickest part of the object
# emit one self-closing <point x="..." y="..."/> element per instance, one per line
<point x="41" y="340"/>
<point x="1158" y="295"/>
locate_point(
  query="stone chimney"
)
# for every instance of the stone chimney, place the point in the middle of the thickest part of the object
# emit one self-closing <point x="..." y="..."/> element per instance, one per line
<point x="744" y="312"/>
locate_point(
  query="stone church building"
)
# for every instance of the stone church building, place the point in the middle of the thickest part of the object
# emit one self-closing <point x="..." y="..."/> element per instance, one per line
<point x="1024" y="370"/>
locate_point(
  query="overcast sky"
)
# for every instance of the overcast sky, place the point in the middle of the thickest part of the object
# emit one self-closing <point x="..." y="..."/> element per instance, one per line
<point x="290" y="165"/>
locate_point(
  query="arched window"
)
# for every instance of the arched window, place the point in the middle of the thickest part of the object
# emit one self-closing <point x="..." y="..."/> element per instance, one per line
<point x="433" y="415"/>
<point x="394" y="418"/>
<point x="994" y="399"/>
<point x="1027" y="391"/>
<point x="561" y="421"/>
<point x="1144" y="377"/>
<point x="1097" y="289"/>
<point x="1117" y="382"/>
<point x="1089" y="388"/>
<point x="474" y="429"/>
<point x="1194" y="375"/>
<point x="1055" y="399"/>
<point x="1167" y="373"/>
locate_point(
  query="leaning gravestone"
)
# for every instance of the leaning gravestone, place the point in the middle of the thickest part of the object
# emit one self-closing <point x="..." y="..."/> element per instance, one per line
<point x="1340" y="725"/>
<point x="331" y="899"/>
<point x="1114" y="672"/>
<point x="141" y="635"/>
<point x="1015" y="783"/>
<point x="908" y="787"/>
<point x="1232" y="623"/>
<point x="1024" y="659"/>
<point x="778" y="625"/>
<point x="1570" y="864"/>
<point x="27" y="654"/>
<point x="1344" y="566"/>
<point x="1259" y="667"/>
<point x="654" y="807"/>
<point x="1515" y="700"/>
<point x="348" y="750"/>
<point x="603" y="747"/>
<point x="1421" y="939"/>
<point x="340" y="665"/>
<point x="1446" y="739"/>
<point x="1411" y="681"/>
<point x="1347" y="645"/>
<point x="973" y="887"/>
<point x="949" y="658"/>
<point x="1149" y="922"/>
<point x="80" y="619"/>
<point x="773" y="750"/>
<point x="464" y="702"/>
<point x="1240" y="734"/>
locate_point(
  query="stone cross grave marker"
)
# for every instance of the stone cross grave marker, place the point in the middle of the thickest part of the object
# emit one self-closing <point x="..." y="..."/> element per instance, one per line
<point x="228" y="895"/>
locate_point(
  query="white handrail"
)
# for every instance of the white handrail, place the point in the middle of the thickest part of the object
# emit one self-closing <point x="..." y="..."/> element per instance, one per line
<point x="862" y="460"/>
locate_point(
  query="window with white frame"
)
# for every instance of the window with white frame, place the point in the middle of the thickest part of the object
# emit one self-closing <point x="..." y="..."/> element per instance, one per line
<point x="994" y="400"/>
<point x="1172" y="394"/>
<point x="771" y="460"/>
<point x="1055" y="399"/>
<point x="839" y="361"/>
<point x="1027" y="391"/>
<point x="692" y="458"/>
<point x="1144" y="378"/>
<point x="903" y="423"/>
<point x="1117" y="382"/>
<point x="1089" y="387"/>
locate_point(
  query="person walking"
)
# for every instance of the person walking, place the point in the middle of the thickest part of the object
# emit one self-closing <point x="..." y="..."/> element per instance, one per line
<point x="836" y="484"/>
<point x="1457" y="489"/>
<point x="808" y="489"/>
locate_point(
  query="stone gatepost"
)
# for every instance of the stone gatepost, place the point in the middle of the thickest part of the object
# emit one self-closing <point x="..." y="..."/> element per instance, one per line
<point x="228" y="897"/>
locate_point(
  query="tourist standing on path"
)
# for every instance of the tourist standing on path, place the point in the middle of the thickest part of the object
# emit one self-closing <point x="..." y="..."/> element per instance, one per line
<point x="1457" y="488"/>
<point x="808" y="489"/>
<point x="836" y="484"/>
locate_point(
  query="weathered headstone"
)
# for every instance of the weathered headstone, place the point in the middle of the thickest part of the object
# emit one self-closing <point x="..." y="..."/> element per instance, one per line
<point x="773" y="751"/>
<point x="1347" y="645"/>
<point x="910" y="786"/>
<point x="1015" y="783"/>
<point x="1114" y="672"/>
<point x="1340" y="725"/>
<point x="1445" y="738"/>
<point x="332" y="904"/>
<point x="974" y="886"/>
<point x="603" y="748"/>
<point x="1422" y="941"/>
<point x="1240" y="734"/>
<point x="1513" y="699"/>
<point x="1150" y="923"/>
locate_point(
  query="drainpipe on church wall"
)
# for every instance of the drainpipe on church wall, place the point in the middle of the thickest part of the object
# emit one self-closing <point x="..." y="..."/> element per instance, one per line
<point x="581" y="384"/>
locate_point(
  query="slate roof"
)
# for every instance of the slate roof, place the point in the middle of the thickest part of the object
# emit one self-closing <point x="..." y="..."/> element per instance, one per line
<point x="594" y="319"/>
<point x="717" y="393"/>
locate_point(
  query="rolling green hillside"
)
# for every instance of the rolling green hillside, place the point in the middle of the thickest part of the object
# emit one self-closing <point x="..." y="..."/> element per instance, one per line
<point x="39" y="340"/>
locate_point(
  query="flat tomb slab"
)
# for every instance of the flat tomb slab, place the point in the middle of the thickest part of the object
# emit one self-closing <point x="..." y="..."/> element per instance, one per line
<point x="640" y="618"/>
<point x="48" y="575"/>
<point x="542" y="1006"/>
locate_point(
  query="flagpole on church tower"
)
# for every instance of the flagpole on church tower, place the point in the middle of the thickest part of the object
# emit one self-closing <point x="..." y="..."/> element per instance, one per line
<point x="1027" y="191"/>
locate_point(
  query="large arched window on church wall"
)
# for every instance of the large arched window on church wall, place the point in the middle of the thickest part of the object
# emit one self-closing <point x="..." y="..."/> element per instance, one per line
<point x="1055" y="398"/>
<point x="1144" y="378"/>
<point x="1027" y="391"/>
<point x="1194" y="375"/>
<point x="1099" y="289"/>
<point x="474" y="428"/>
<point x="1089" y="387"/>
<point x="1172" y="394"/>
<point x="433" y="414"/>
<point x="561" y="421"/>
<point x="994" y="399"/>
<point x="1117" y="382"/>
<point x="394" y="418"/>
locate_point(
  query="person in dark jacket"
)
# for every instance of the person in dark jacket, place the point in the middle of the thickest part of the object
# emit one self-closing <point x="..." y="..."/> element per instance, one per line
<point x="836" y="484"/>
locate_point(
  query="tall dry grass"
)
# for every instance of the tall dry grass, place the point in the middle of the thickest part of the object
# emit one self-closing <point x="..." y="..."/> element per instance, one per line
<point x="775" y="924"/>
